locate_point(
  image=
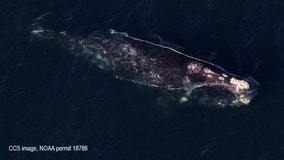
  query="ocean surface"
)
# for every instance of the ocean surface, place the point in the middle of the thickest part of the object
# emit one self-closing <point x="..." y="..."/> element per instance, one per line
<point x="51" y="97"/>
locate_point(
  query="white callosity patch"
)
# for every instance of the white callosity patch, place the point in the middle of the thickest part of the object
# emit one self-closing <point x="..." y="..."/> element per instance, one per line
<point x="194" y="67"/>
<point x="208" y="71"/>
<point x="239" y="84"/>
<point x="245" y="100"/>
<point x="240" y="101"/>
<point x="224" y="75"/>
<point x="221" y="78"/>
<point x="209" y="76"/>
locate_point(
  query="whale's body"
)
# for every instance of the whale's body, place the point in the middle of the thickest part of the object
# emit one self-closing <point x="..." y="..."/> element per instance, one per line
<point x="159" y="66"/>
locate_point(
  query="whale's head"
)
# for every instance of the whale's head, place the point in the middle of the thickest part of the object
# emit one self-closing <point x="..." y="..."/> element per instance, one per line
<point x="211" y="85"/>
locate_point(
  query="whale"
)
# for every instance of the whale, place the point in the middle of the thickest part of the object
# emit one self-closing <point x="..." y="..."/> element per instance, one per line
<point x="145" y="63"/>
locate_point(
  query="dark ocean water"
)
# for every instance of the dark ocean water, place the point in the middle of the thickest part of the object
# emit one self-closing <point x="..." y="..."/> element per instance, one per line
<point x="50" y="97"/>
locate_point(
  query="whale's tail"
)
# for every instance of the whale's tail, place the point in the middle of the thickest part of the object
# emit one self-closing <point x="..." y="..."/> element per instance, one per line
<point x="39" y="28"/>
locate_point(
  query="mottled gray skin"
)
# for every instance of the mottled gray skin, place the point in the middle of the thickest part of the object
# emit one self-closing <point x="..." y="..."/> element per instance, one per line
<point x="154" y="65"/>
